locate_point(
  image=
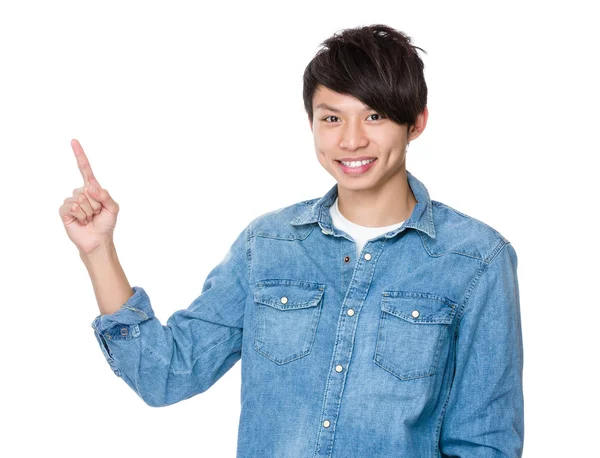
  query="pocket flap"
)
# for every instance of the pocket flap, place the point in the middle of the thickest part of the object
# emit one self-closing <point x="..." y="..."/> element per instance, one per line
<point x="288" y="294"/>
<point x="418" y="308"/>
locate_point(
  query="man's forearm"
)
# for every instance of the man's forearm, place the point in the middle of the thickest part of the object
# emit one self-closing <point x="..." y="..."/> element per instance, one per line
<point x="108" y="278"/>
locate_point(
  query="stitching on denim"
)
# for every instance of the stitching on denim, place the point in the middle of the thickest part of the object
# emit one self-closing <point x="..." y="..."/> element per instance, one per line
<point x="477" y="281"/>
<point x="318" y="447"/>
<point x="437" y="255"/>
<point x="380" y="360"/>
<point x="138" y="311"/>
<point x="248" y="254"/>
<point x="441" y="204"/>
<point x="438" y="427"/>
<point x="289" y="237"/>
<point x="259" y="344"/>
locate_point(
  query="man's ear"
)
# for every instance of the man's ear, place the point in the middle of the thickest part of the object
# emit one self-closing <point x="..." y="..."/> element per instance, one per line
<point x="419" y="126"/>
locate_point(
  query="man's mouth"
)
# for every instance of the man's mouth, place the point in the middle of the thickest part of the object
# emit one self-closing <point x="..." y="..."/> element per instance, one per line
<point x="356" y="167"/>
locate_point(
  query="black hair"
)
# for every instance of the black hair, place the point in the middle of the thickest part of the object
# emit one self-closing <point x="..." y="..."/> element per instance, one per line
<point x="376" y="64"/>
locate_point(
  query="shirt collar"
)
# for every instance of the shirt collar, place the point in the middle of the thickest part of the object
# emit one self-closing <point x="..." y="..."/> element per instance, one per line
<point x="421" y="218"/>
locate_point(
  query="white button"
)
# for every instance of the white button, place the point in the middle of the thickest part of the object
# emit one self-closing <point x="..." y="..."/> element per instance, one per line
<point x="368" y="257"/>
<point x="415" y="313"/>
<point x="350" y="312"/>
<point x="339" y="368"/>
<point x="284" y="300"/>
<point x="323" y="231"/>
<point x="326" y="423"/>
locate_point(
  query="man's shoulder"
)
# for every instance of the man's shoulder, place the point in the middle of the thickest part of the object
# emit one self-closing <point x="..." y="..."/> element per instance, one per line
<point x="463" y="234"/>
<point x="276" y="223"/>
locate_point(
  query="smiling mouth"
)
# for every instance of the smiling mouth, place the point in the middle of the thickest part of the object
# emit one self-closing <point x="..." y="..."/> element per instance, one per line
<point x="356" y="164"/>
<point x="355" y="167"/>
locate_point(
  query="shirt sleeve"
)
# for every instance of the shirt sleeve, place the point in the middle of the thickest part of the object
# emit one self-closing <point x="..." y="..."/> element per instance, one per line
<point x="198" y="345"/>
<point x="484" y="415"/>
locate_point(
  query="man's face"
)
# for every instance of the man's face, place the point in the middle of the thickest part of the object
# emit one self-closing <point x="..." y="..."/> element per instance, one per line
<point x="344" y="128"/>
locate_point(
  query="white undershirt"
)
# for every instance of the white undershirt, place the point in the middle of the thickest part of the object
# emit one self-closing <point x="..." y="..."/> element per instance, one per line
<point x="360" y="234"/>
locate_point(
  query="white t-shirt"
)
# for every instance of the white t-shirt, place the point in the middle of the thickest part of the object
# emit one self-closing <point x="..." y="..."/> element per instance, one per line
<point x="360" y="234"/>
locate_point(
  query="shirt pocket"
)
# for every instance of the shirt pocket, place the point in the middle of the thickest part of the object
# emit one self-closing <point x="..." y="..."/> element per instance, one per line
<point x="412" y="328"/>
<point x="286" y="317"/>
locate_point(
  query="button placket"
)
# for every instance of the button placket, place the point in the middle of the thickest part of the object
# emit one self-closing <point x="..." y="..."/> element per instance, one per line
<point x="360" y="280"/>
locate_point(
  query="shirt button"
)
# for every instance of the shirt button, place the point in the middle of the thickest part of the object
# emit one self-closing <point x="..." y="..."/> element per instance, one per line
<point x="368" y="256"/>
<point x="339" y="368"/>
<point x="350" y="312"/>
<point x="326" y="423"/>
<point x="415" y="313"/>
<point x="124" y="331"/>
<point x="347" y="259"/>
<point x="284" y="300"/>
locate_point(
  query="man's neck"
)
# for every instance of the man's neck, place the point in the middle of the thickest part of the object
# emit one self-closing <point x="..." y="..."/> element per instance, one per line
<point x="391" y="204"/>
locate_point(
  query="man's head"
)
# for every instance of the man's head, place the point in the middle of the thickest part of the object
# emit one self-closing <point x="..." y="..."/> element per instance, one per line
<point x="365" y="96"/>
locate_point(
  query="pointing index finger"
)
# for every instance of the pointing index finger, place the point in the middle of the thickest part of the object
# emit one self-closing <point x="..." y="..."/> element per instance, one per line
<point x="83" y="163"/>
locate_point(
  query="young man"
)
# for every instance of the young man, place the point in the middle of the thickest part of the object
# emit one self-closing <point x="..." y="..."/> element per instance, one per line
<point x="372" y="322"/>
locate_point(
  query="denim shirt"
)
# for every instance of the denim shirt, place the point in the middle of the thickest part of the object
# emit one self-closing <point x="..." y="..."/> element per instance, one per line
<point x="412" y="349"/>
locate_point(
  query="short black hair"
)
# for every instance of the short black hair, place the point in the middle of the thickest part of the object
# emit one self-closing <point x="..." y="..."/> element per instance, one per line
<point x="376" y="64"/>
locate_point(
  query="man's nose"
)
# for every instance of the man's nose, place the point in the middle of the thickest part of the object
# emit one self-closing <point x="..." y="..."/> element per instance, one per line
<point x="353" y="136"/>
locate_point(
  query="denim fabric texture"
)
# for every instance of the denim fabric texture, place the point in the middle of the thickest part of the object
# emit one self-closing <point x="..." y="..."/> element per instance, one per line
<point x="413" y="349"/>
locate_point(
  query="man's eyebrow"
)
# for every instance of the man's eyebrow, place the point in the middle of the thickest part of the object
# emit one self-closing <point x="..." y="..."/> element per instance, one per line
<point x="335" y="110"/>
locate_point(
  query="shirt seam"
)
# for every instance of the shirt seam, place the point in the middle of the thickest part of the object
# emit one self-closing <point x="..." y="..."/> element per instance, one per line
<point x="472" y="288"/>
<point x="477" y="280"/>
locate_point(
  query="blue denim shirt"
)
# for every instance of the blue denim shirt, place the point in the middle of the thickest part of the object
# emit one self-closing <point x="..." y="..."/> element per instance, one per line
<point x="412" y="349"/>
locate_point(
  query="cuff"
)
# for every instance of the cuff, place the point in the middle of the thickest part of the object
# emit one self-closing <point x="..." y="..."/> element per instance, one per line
<point x="123" y="324"/>
<point x="134" y="311"/>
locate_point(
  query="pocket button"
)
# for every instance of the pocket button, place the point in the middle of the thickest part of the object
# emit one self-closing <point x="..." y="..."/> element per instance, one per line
<point x="284" y="300"/>
<point x="415" y="314"/>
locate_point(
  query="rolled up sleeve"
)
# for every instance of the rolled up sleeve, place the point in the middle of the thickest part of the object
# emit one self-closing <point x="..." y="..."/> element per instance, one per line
<point x="485" y="411"/>
<point x="165" y="364"/>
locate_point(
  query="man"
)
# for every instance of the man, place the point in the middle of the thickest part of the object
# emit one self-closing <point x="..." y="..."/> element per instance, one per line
<point x="372" y="322"/>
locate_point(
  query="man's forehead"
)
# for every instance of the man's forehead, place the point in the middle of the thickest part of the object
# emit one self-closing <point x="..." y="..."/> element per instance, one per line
<point x="325" y="106"/>
<point x="326" y="99"/>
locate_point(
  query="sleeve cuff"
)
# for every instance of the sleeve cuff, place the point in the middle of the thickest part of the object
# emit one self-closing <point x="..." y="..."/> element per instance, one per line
<point x="123" y="324"/>
<point x="134" y="311"/>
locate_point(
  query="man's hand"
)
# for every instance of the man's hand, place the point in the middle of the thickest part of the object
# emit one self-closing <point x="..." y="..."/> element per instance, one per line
<point x="89" y="215"/>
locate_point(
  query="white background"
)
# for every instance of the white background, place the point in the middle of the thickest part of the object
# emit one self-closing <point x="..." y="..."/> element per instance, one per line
<point x="192" y="118"/>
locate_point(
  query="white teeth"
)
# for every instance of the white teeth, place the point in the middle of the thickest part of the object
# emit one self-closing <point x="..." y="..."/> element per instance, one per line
<point x="357" y="163"/>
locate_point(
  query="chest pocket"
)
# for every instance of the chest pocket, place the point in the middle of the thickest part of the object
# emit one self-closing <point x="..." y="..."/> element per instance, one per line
<point x="286" y="317"/>
<point x="412" y="328"/>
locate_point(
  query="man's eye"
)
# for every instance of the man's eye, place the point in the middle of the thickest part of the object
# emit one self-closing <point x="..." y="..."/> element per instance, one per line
<point x="326" y="117"/>
<point x="378" y="115"/>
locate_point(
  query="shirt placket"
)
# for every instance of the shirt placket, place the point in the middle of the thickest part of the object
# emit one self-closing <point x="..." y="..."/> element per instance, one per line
<point x="356" y="294"/>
